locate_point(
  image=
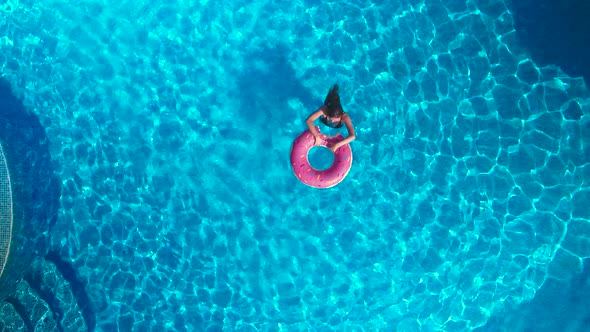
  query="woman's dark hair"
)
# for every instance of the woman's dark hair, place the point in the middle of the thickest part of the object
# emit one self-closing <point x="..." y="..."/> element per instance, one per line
<point x="332" y="103"/>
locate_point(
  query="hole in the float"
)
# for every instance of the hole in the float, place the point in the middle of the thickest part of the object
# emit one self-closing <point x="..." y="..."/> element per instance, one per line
<point x="320" y="157"/>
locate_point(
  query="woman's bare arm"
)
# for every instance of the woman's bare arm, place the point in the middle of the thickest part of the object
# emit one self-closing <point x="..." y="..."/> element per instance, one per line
<point x="311" y="119"/>
<point x="351" y="135"/>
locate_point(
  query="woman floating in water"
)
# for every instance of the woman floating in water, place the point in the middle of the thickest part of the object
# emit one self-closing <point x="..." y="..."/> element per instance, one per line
<point x="332" y="115"/>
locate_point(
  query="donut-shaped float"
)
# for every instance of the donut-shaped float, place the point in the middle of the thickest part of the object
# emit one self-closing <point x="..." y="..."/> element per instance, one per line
<point x="312" y="177"/>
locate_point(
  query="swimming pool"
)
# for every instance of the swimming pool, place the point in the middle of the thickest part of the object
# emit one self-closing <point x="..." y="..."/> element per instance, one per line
<point x="171" y="125"/>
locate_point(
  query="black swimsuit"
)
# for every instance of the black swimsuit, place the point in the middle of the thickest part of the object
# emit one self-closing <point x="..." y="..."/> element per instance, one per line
<point x="331" y="124"/>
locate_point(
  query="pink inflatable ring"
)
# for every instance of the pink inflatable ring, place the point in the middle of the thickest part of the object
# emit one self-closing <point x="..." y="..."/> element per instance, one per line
<point x="315" y="178"/>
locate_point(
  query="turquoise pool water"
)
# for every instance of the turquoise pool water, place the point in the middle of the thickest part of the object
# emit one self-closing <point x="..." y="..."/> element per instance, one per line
<point x="171" y="124"/>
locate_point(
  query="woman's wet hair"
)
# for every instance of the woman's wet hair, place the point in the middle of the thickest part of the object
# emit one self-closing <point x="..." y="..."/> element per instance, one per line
<point x="332" y="103"/>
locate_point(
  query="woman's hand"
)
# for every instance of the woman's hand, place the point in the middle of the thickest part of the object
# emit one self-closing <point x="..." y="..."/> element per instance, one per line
<point x="333" y="147"/>
<point x="318" y="140"/>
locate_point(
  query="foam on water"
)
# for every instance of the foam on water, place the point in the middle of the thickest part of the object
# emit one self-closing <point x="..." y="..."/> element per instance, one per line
<point x="172" y="125"/>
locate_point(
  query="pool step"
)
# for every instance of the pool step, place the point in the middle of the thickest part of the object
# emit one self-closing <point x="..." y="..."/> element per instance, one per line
<point x="44" y="301"/>
<point x="11" y="320"/>
<point x="58" y="292"/>
<point x="36" y="310"/>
